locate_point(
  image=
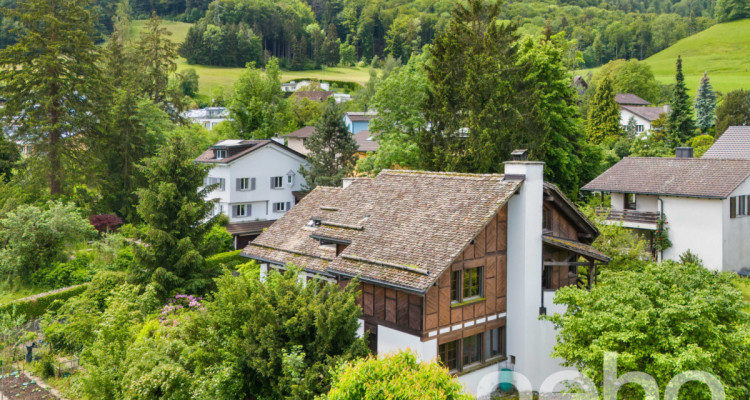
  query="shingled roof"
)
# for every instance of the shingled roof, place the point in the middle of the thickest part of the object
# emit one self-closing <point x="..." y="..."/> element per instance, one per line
<point x="733" y="144"/>
<point x="647" y="113"/>
<point x="403" y="228"/>
<point x="304" y="132"/>
<point x="237" y="148"/>
<point x="365" y="141"/>
<point x="630" y="99"/>
<point x="682" y="177"/>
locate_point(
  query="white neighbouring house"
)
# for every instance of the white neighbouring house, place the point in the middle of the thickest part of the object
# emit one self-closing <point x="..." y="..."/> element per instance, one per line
<point x="207" y="117"/>
<point x="456" y="267"/>
<point x="293" y="86"/>
<point x="705" y="202"/>
<point x="638" y="110"/>
<point x="258" y="182"/>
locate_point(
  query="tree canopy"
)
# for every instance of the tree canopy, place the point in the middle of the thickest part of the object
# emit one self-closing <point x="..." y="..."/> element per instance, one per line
<point x="661" y="319"/>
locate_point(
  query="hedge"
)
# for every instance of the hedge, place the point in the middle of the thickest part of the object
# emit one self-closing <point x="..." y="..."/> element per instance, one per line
<point x="229" y="259"/>
<point x="37" y="306"/>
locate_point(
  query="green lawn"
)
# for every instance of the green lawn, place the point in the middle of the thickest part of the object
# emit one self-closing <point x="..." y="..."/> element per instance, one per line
<point x="211" y="77"/>
<point x="723" y="51"/>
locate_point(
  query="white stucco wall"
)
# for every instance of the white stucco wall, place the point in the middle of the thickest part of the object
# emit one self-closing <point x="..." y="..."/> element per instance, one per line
<point x="695" y="225"/>
<point x="625" y="116"/>
<point x="528" y="338"/>
<point x="393" y="341"/>
<point x="643" y="202"/>
<point x="261" y="164"/>
<point x="736" y="252"/>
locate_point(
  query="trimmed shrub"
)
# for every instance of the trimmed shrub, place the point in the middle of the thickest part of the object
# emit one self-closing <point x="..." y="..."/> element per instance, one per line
<point x="38" y="306"/>
<point x="229" y="260"/>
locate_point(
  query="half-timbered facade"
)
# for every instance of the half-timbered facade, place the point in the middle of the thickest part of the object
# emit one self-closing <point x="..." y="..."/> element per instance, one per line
<point x="436" y="254"/>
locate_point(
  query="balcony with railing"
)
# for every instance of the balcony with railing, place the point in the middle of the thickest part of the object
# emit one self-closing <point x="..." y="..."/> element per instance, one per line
<point x="630" y="218"/>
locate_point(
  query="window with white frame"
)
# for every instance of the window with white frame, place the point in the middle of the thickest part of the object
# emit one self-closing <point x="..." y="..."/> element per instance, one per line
<point x="222" y="153"/>
<point x="639" y="128"/>
<point x="739" y="206"/>
<point x="241" y="210"/>
<point x="277" y="182"/>
<point x="290" y="179"/>
<point x="280" y="207"/>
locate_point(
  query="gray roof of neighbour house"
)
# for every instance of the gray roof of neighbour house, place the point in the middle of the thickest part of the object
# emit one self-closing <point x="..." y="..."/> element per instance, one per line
<point x="403" y="228"/>
<point x="630" y="99"/>
<point x="361" y="116"/>
<point x="681" y="177"/>
<point x="207" y="113"/>
<point x="304" y="132"/>
<point x="252" y="227"/>
<point x="647" y="113"/>
<point x="237" y="148"/>
<point x="365" y="141"/>
<point x="733" y="144"/>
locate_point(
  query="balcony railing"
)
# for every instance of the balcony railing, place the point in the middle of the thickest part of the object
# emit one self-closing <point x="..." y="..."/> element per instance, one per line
<point x="640" y="217"/>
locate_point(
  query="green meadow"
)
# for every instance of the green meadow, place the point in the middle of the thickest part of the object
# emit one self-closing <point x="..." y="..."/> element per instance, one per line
<point x="212" y="77"/>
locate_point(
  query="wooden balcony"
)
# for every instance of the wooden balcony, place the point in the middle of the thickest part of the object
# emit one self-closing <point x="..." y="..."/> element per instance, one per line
<point x="628" y="216"/>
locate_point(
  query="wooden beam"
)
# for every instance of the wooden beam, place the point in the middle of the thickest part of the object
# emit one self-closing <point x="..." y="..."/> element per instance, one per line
<point x="565" y="264"/>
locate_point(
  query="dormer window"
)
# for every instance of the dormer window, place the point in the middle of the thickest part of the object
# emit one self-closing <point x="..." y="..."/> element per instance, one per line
<point x="221" y="153"/>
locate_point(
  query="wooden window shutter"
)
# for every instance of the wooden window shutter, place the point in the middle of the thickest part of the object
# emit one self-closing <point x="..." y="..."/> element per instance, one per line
<point x="234" y="211"/>
<point x="288" y="206"/>
<point x="239" y="184"/>
<point x="732" y="207"/>
<point x="252" y="183"/>
<point x="248" y="210"/>
<point x="271" y="182"/>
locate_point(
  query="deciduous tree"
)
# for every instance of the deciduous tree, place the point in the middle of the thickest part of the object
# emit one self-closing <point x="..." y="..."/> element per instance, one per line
<point x="734" y="110"/>
<point x="659" y="320"/>
<point x="258" y="109"/>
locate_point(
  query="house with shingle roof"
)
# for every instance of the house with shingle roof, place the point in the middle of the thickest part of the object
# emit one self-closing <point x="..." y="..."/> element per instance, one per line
<point x="256" y="182"/>
<point x="638" y="111"/>
<point x="456" y="267"/>
<point x="734" y="143"/>
<point x="297" y="141"/>
<point x="705" y="202"/>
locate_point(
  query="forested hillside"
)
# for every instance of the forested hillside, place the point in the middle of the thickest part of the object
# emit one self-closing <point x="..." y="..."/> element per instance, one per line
<point x="309" y="33"/>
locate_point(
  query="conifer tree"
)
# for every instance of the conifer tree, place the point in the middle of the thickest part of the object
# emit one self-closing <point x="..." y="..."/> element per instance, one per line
<point x="705" y="105"/>
<point x="332" y="150"/>
<point x="604" y="114"/>
<point x="680" y="122"/>
<point x="52" y="84"/>
<point x="157" y="54"/>
<point x="175" y="213"/>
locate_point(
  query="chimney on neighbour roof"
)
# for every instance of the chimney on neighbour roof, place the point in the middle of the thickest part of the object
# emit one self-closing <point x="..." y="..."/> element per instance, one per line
<point x="684" y="152"/>
<point x="519" y="155"/>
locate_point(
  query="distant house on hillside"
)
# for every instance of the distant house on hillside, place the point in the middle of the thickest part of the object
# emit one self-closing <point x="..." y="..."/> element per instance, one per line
<point x="639" y="111"/>
<point x="580" y="85"/>
<point x="207" y="117"/>
<point x="733" y="144"/>
<point x="297" y="141"/>
<point x="706" y="203"/>
<point x="257" y="181"/>
<point x="456" y="267"/>
<point x="358" y="121"/>
<point x="294" y="86"/>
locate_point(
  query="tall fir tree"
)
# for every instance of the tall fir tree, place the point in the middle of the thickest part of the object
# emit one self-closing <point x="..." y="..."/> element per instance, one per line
<point x="332" y="150"/>
<point x="680" y="124"/>
<point x="174" y="211"/>
<point x="604" y="114"/>
<point x="52" y="84"/>
<point x="705" y="105"/>
<point x="157" y="54"/>
<point x="476" y="98"/>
